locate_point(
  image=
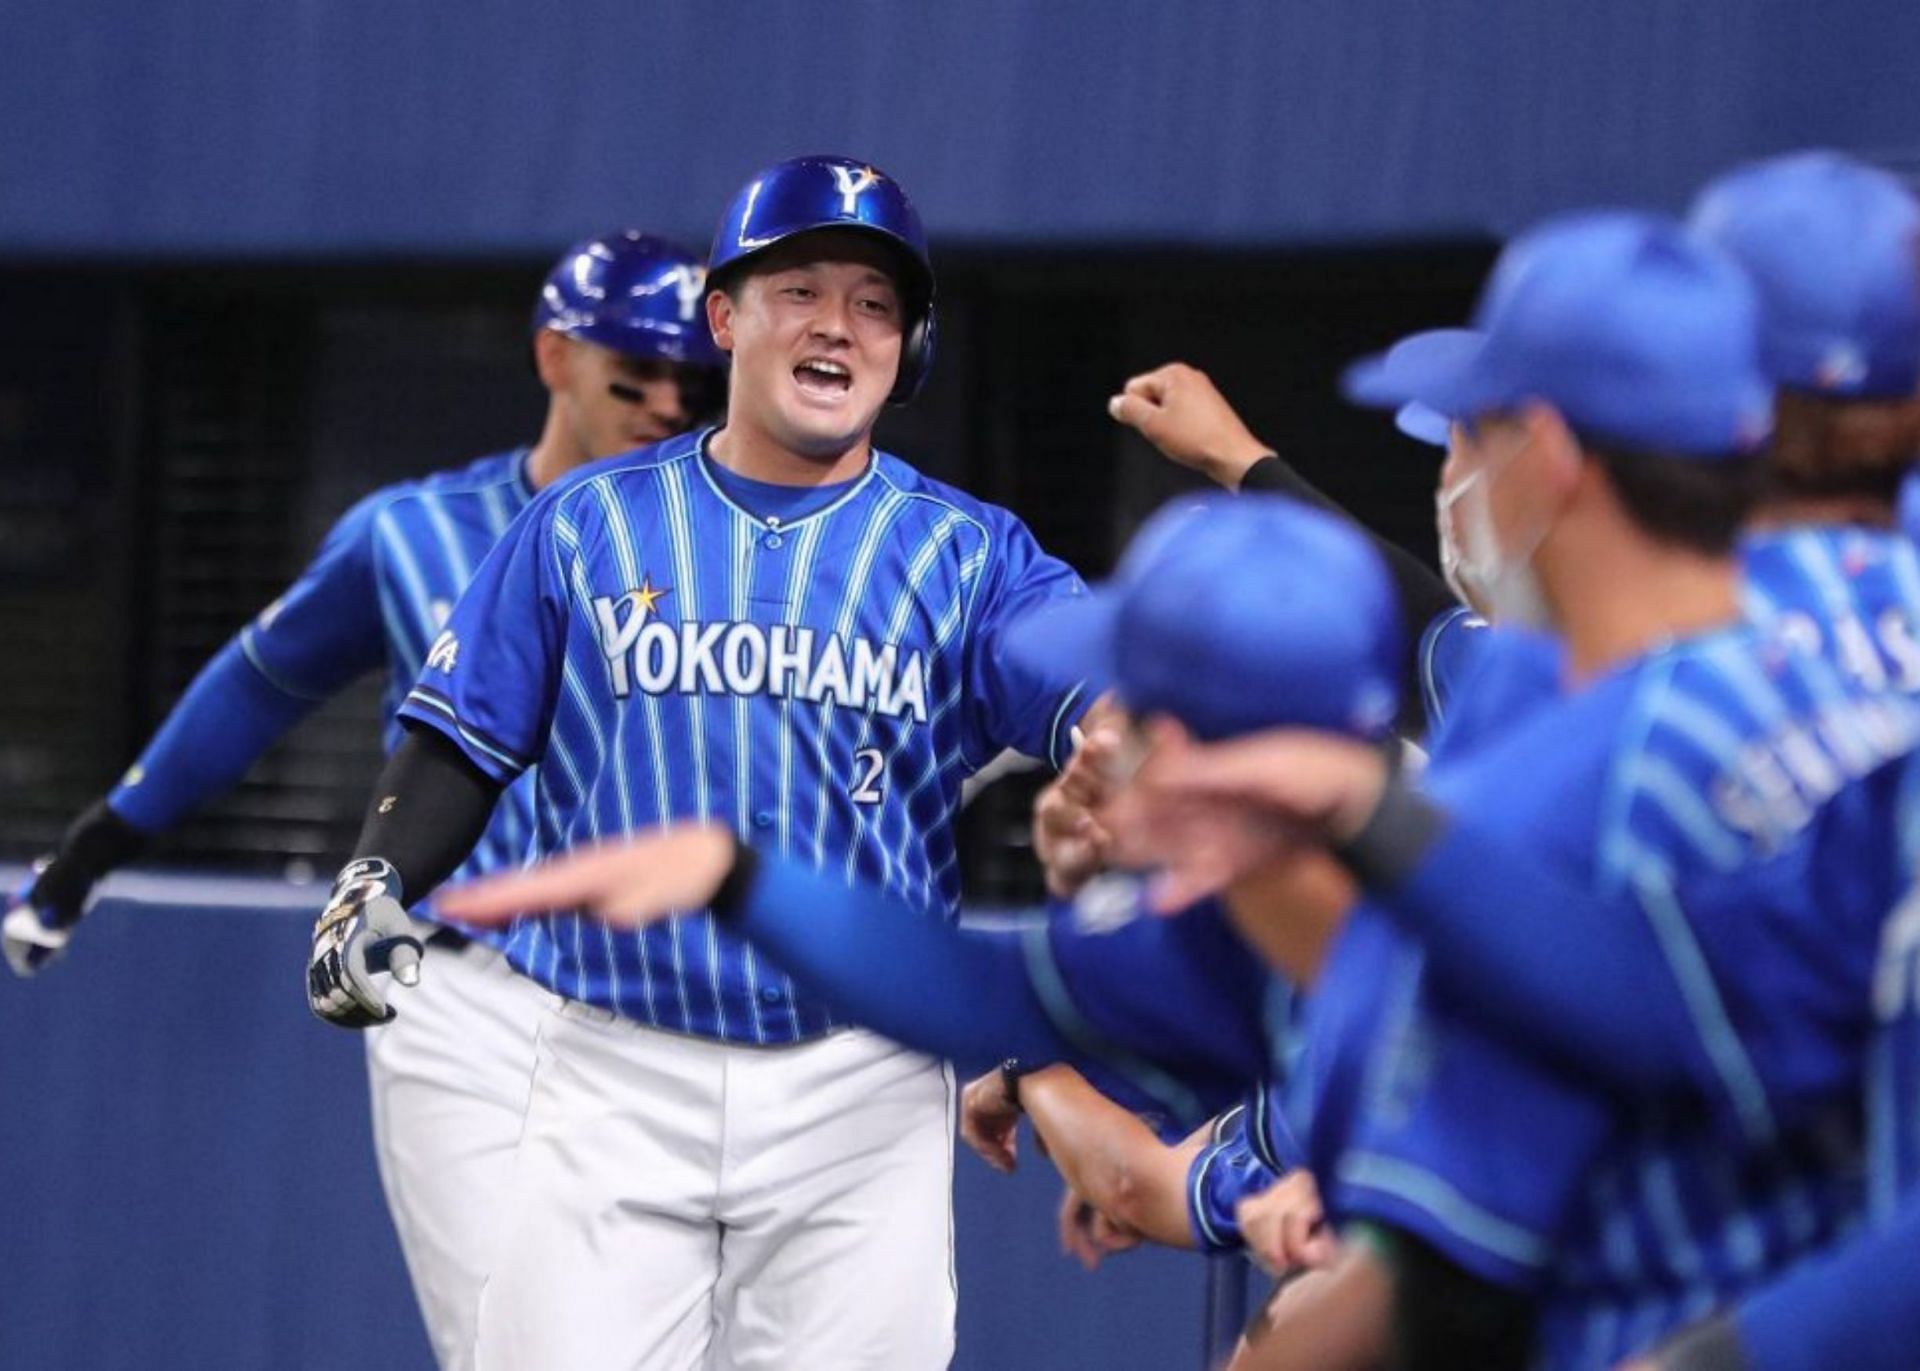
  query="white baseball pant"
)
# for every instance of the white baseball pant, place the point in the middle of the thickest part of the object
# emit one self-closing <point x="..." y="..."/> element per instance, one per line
<point x="449" y="1081"/>
<point x="681" y="1203"/>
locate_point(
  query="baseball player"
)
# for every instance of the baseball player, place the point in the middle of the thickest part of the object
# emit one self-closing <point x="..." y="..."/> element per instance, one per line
<point x="1168" y="1016"/>
<point x="773" y="625"/>
<point x="1675" y="791"/>
<point x="620" y="342"/>
<point x="1829" y="245"/>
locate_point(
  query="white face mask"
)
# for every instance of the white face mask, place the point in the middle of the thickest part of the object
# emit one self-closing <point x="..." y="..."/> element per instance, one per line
<point x="1452" y="564"/>
<point x="1499" y="583"/>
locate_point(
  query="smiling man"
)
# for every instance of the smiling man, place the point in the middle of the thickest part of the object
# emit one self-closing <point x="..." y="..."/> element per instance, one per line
<point x="774" y="625"/>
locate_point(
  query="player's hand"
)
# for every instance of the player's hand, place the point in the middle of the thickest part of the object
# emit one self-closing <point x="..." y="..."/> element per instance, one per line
<point x="39" y="918"/>
<point x="1208" y="815"/>
<point x="1069" y="840"/>
<point x="1182" y="413"/>
<point x="363" y="931"/>
<point x="1285" y="1227"/>
<point x="990" y="1122"/>
<point x="1088" y="1235"/>
<point x="33" y="935"/>
<point x="629" y="883"/>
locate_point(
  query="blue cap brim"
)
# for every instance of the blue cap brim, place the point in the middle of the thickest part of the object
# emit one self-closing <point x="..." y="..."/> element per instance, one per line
<point x="1069" y="639"/>
<point x="1423" y="424"/>
<point x="1439" y="369"/>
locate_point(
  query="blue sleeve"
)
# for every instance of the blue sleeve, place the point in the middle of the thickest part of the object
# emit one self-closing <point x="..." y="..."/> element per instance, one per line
<point x="1476" y="1147"/>
<point x="323" y="633"/>
<point x="228" y="717"/>
<point x="1540" y="956"/>
<point x="1224" y="1172"/>
<point x="327" y="630"/>
<point x="980" y="996"/>
<point x="491" y="678"/>
<point x="1178" y="1011"/>
<point x="920" y="980"/>
<point x="1856" y="1307"/>
<point x="1008" y="705"/>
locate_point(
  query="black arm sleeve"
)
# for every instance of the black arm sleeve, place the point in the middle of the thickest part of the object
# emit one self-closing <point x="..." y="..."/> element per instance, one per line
<point x="93" y="845"/>
<point x="1422" y="592"/>
<point x="429" y="808"/>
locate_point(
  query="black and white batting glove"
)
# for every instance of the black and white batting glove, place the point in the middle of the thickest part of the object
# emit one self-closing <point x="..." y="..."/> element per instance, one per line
<point x="363" y="931"/>
<point x="33" y="933"/>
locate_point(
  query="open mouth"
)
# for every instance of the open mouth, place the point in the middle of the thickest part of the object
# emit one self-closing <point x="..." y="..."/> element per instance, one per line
<point x="827" y="379"/>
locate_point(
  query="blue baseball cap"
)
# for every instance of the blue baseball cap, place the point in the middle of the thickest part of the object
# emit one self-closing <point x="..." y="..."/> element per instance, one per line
<point x="1833" y="247"/>
<point x="1418" y="421"/>
<point x="1234" y="615"/>
<point x="1422" y="424"/>
<point x="1634" y="330"/>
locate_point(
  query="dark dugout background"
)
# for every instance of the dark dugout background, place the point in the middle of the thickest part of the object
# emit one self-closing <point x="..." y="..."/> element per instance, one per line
<point x="182" y="436"/>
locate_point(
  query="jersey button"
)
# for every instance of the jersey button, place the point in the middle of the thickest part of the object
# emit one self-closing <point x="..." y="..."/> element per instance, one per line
<point x="773" y="540"/>
<point x="771" y="994"/>
<point x="763" y="819"/>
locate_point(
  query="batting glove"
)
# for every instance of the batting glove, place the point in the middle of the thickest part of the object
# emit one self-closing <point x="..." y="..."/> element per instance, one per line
<point x="33" y="934"/>
<point x="364" y="930"/>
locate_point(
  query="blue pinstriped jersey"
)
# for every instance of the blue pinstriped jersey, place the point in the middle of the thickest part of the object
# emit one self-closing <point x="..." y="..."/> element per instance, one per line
<point x="1893" y="1062"/>
<point x="823" y="685"/>
<point x="378" y="593"/>
<point x="1718" y="789"/>
<point x="1854" y="594"/>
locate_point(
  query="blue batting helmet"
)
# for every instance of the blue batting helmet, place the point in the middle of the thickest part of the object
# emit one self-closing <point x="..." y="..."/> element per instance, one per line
<point x="807" y="193"/>
<point x="633" y="293"/>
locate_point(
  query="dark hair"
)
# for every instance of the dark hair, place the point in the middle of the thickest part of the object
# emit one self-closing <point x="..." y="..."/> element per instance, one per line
<point x="1825" y="446"/>
<point x="1691" y="502"/>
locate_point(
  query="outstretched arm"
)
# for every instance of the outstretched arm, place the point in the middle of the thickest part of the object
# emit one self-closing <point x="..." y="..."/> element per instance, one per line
<point x="322" y="633"/>
<point x="962" y="994"/>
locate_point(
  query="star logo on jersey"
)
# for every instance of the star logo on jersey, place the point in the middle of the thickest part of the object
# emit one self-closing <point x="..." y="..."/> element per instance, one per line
<point x="646" y="600"/>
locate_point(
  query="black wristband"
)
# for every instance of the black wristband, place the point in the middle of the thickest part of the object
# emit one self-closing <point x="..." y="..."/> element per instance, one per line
<point x="737" y="884"/>
<point x="1713" y="1345"/>
<point x="93" y="845"/>
<point x="1395" y="837"/>
<point x="1010" y="1074"/>
<point x="1269" y="475"/>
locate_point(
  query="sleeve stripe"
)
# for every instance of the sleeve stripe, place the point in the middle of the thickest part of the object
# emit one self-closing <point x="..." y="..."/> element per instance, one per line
<point x="1420" y="1188"/>
<point x="435" y="703"/>
<point x="1722" y="1043"/>
<point x="1059" y="732"/>
<point x="1057" y="1001"/>
<point x="252" y="654"/>
<point x="1197" y="1200"/>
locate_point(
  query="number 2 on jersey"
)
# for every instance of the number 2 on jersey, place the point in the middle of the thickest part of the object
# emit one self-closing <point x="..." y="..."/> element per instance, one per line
<point x="868" y="763"/>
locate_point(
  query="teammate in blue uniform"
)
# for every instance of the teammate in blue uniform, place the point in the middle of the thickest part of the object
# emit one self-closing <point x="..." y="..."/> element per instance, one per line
<point x="619" y="340"/>
<point x="1829" y="243"/>
<point x="773" y="625"/>
<point x="1697" y="832"/>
